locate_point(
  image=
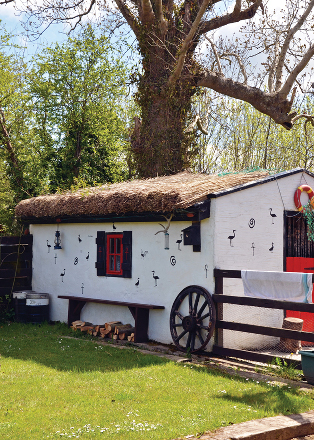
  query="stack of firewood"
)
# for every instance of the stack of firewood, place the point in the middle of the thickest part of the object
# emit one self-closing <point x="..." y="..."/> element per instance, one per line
<point x="113" y="330"/>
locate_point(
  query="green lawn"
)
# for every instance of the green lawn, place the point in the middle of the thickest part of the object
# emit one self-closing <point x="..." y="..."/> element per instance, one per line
<point x="52" y="387"/>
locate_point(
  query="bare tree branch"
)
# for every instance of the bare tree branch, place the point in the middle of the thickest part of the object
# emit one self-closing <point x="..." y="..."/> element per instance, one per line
<point x="234" y="17"/>
<point x="272" y="105"/>
<point x="286" y="44"/>
<point x="197" y="121"/>
<point x="160" y="16"/>
<point x="127" y="14"/>
<point x="284" y="91"/>
<point x="186" y="43"/>
<point x="241" y="65"/>
<point x="274" y="65"/>
<point x="215" y="53"/>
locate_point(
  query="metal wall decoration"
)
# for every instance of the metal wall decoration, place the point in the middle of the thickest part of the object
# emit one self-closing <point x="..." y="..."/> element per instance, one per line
<point x="173" y="260"/>
<point x="271" y="248"/>
<point x="75" y="261"/>
<point x="82" y="287"/>
<point x="231" y="237"/>
<point x="251" y="223"/>
<point x="113" y="226"/>
<point x="253" y="247"/>
<point x="87" y="256"/>
<point x="155" y="277"/>
<point x="62" y="274"/>
<point x="179" y="242"/>
<point x="166" y="241"/>
<point x="55" y="257"/>
<point x="272" y="215"/>
<point x="206" y="269"/>
<point x="143" y="253"/>
<point x="48" y="246"/>
<point x="137" y="282"/>
<point x="79" y="238"/>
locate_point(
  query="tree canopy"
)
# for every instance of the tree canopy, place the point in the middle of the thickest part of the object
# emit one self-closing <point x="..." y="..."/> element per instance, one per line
<point x="183" y="49"/>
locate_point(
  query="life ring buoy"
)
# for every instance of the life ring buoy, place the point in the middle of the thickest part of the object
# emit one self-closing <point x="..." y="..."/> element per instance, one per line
<point x="297" y="196"/>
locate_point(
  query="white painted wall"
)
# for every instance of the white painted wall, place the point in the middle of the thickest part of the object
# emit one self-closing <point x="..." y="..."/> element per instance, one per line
<point x="189" y="269"/>
<point x="228" y="213"/>
<point x="234" y="212"/>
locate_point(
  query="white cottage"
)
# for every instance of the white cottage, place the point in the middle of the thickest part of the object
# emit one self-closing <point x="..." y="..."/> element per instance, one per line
<point x="129" y="250"/>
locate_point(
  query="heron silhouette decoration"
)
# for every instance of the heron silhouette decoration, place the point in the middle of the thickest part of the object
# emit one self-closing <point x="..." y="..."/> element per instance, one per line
<point x="155" y="277"/>
<point x="272" y="215"/>
<point x="231" y="237"/>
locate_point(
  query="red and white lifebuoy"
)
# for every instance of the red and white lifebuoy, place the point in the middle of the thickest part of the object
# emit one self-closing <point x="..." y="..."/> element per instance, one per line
<point x="297" y="196"/>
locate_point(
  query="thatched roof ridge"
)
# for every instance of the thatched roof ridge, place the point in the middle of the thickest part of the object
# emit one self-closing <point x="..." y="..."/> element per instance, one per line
<point x="160" y="194"/>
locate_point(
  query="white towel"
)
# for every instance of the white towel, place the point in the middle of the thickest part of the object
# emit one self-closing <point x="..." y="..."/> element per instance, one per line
<point x="287" y="286"/>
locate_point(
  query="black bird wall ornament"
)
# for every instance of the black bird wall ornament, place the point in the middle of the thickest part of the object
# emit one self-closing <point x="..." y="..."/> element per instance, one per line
<point x="231" y="237"/>
<point x="271" y="248"/>
<point x="155" y="277"/>
<point x="79" y="239"/>
<point x="48" y="246"/>
<point x="137" y="282"/>
<point x="272" y="215"/>
<point x="179" y="242"/>
<point x="62" y="274"/>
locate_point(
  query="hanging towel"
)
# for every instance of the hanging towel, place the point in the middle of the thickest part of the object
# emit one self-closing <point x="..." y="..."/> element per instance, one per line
<point x="287" y="286"/>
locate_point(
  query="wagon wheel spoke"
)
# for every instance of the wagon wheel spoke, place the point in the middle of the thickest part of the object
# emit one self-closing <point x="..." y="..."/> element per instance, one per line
<point x="204" y="327"/>
<point x="192" y="342"/>
<point x="196" y="302"/>
<point x="201" y="310"/>
<point x="188" y="342"/>
<point x="204" y="316"/>
<point x="181" y="335"/>
<point x="190" y="303"/>
<point x="177" y="325"/>
<point x="200" y="336"/>
<point x="178" y="314"/>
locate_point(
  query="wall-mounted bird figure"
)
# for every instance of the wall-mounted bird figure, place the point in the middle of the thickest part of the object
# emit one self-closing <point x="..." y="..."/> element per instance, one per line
<point x="272" y="215"/>
<point x="144" y="253"/>
<point x="272" y="247"/>
<point x="137" y="282"/>
<point x="113" y="226"/>
<point x="62" y="274"/>
<point x="253" y="247"/>
<point x="48" y="246"/>
<point x="231" y="237"/>
<point x="79" y="239"/>
<point x="179" y="242"/>
<point x="155" y="277"/>
<point x="87" y="257"/>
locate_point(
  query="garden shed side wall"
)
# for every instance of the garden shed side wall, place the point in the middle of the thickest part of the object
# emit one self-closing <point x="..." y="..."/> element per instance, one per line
<point x="258" y="245"/>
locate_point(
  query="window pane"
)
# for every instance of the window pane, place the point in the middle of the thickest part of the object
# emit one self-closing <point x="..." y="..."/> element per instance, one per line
<point x="118" y="265"/>
<point x="111" y="246"/>
<point x="118" y="245"/>
<point x="111" y="265"/>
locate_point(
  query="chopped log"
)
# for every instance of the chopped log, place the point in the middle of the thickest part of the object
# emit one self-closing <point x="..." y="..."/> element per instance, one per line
<point x="131" y="337"/>
<point x="121" y="328"/>
<point x="115" y="337"/>
<point x="110" y="326"/>
<point x="78" y="323"/>
<point x="292" y="345"/>
<point x="127" y="332"/>
<point x="85" y="328"/>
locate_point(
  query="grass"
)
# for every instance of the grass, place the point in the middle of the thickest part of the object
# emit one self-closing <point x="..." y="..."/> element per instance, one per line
<point x="52" y="386"/>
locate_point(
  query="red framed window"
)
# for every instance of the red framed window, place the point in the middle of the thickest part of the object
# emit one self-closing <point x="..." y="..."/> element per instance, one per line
<point x="114" y="254"/>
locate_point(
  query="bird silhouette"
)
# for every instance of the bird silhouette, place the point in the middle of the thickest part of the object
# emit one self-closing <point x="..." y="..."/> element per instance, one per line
<point x="87" y="256"/>
<point x="79" y="239"/>
<point x="179" y="242"/>
<point x="137" y="282"/>
<point x="231" y="237"/>
<point x="143" y="253"/>
<point x="272" y="247"/>
<point x="155" y="277"/>
<point x="48" y="246"/>
<point x="113" y="226"/>
<point x="62" y="274"/>
<point x="272" y="215"/>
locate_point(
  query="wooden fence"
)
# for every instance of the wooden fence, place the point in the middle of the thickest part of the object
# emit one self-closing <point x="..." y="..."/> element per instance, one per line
<point x="221" y="324"/>
<point x="15" y="268"/>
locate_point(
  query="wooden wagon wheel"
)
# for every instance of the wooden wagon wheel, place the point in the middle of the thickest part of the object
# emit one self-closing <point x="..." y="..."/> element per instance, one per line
<point x="192" y="319"/>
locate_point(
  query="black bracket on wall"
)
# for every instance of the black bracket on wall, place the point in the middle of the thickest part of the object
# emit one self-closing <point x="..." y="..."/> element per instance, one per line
<point x="192" y="236"/>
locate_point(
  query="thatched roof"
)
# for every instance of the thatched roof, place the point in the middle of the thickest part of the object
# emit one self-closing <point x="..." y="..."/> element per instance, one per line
<point x="159" y="195"/>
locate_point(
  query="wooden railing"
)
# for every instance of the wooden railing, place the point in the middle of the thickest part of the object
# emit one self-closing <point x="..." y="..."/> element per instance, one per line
<point x="222" y="324"/>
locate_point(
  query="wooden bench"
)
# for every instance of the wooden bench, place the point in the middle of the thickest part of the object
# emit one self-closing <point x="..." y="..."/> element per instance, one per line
<point x="140" y="312"/>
